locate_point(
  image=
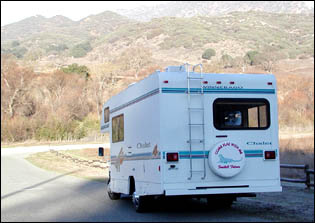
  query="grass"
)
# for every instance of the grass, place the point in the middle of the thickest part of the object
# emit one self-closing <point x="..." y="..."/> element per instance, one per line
<point x="51" y="162"/>
<point x="86" y="154"/>
<point x="296" y="151"/>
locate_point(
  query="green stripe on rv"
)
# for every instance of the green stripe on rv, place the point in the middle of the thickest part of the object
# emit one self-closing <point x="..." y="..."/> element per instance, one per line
<point x="199" y="154"/>
<point x="219" y="90"/>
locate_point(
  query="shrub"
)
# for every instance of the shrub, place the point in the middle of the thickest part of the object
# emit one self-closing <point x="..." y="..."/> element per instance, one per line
<point x="58" y="48"/>
<point x="81" y="50"/>
<point x="251" y="57"/>
<point x="19" y="52"/>
<point x="75" y="68"/>
<point x="15" y="43"/>
<point x="227" y="60"/>
<point x="208" y="54"/>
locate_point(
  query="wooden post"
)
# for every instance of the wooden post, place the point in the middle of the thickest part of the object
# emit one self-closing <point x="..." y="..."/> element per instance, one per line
<point x="308" y="177"/>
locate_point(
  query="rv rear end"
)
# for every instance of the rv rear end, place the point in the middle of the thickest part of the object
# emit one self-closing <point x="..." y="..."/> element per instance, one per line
<point x="219" y="134"/>
<point x="194" y="134"/>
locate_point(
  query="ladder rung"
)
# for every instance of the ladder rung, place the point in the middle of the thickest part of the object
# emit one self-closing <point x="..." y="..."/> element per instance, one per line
<point x="195" y="140"/>
<point x="197" y="171"/>
<point x="197" y="124"/>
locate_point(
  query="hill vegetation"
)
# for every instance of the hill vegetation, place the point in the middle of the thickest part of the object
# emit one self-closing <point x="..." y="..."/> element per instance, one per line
<point x="57" y="73"/>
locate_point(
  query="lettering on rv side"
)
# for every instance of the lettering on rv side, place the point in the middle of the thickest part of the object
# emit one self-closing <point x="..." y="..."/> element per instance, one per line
<point x="228" y="144"/>
<point x="143" y="145"/>
<point x="222" y="87"/>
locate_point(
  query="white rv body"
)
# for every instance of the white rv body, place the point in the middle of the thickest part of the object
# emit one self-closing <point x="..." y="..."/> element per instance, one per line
<point x="167" y="112"/>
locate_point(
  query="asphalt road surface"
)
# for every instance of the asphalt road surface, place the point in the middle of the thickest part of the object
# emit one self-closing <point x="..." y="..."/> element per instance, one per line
<point x="29" y="194"/>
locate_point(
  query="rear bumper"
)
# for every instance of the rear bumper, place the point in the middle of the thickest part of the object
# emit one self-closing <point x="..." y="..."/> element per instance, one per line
<point x="234" y="190"/>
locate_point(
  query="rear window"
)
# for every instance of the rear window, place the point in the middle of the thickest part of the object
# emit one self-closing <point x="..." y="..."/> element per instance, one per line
<point x="241" y="113"/>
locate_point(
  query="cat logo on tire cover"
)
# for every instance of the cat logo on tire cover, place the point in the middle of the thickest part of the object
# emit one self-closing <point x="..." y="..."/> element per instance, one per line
<point x="226" y="159"/>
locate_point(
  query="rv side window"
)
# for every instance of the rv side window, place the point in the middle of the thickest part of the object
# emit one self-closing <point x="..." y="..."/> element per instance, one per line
<point x="118" y="128"/>
<point x="241" y="113"/>
<point x="106" y="115"/>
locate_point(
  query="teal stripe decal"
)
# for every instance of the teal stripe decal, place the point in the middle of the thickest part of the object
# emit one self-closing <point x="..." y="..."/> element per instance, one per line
<point x="182" y="155"/>
<point x="199" y="154"/>
<point x="219" y="90"/>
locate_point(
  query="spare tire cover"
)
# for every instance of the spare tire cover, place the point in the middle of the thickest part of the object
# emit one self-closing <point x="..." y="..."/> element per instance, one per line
<point x="226" y="159"/>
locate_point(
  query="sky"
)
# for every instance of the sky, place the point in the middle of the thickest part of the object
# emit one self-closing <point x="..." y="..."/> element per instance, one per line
<point x="14" y="11"/>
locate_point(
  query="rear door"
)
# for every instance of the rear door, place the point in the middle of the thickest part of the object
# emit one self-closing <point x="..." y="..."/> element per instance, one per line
<point x="240" y="134"/>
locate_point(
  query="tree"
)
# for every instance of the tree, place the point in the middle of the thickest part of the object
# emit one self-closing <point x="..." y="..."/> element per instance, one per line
<point x="135" y="59"/>
<point x="16" y="84"/>
<point x="103" y="81"/>
<point x="227" y="60"/>
<point x="251" y="58"/>
<point x="268" y="58"/>
<point x="208" y="54"/>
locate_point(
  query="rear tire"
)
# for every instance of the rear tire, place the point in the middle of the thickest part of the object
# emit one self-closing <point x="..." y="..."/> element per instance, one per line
<point x="141" y="203"/>
<point x="112" y="195"/>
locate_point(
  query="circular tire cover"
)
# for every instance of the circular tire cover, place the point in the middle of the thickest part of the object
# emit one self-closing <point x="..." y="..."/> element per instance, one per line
<point x="226" y="159"/>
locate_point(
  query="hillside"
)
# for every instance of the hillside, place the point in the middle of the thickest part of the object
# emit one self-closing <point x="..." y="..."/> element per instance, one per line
<point x="59" y="41"/>
<point x="56" y="73"/>
<point x="213" y="8"/>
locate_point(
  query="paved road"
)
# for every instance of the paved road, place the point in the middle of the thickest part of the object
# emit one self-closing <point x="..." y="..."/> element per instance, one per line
<point x="32" y="194"/>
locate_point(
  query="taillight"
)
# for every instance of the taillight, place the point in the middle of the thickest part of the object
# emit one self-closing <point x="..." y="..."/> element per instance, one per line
<point x="171" y="157"/>
<point x="270" y="155"/>
<point x="165" y="82"/>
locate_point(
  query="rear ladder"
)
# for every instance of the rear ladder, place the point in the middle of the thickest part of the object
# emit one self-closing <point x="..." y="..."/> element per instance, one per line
<point x="196" y="93"/>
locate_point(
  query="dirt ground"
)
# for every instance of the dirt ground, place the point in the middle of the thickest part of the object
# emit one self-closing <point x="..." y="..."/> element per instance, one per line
<point x="295" y="204"/>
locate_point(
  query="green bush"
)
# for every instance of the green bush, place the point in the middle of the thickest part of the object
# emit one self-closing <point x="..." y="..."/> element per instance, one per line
<point x="75" y="68"/>
<point x="15" y="43"/>
<point x="81" y="50"/>
<point x="19" y="52"/>
<point x="208" y="54"/>
<point x="227" y="60"/>
<point x="251" y="57"/>
<point x="57" y="48"/>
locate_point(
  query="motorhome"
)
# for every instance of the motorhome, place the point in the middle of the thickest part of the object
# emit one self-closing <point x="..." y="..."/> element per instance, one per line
<point x="182" y="132"/>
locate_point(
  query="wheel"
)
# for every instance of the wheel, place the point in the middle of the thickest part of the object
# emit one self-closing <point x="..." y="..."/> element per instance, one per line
<point x="220" y="202"/>
<point x="112" y="195"/>
<point x="140" y="202"/>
